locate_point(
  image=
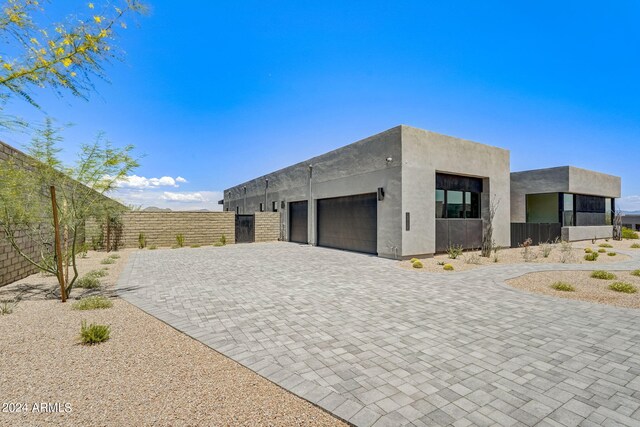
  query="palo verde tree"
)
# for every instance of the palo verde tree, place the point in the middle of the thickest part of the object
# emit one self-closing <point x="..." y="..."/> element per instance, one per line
<point x="26" y="208"/>
<point x="66" y="57"/>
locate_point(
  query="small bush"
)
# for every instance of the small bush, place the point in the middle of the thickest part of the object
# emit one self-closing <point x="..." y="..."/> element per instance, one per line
<point x="92" y="303"/>
<point x="88" y="282"/>
<point x="601" y="251"/>
<point x="591" y="256"/>
<point x="180" y="240"/>
<point x="114" y="256"/>
<point x="142" y="241"/>
<point x="604" y="275"/>
<point x="223" y="240"/>
<point x="454" y="251"/>
<point x="563" y="286"/>
<point x="635" y="246"/>
<point x="628" y="233"/>
<point x="418" y="264"/>
<point x="195" y="246"/>
<point x="218" y="244"/>
<point x="611" y="254"/>
<point x="108" y="261"/>
<point x="412" y="260"/>
<point x="623" y="287"/>
<point x="635" y="273"/>
<point x="566" y="252"/>
<point x="84" y="250"/>
<point x="7" y="307"/>
<point x="546" y="249"/>
<point x="588" y="250"/>
<point x="153" y="247"/>
<point x="94" y="334"/>
<point x="448" y="267"/>
<point x="472" y="259"/>
<point x="605" y="245"/>
<point x="98" y="273"/>
<point x="440" y="262"/>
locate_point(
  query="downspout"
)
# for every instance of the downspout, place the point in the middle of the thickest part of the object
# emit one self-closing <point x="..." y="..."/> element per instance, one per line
<point x="266" y="186"/>
<point x="244" y="203"/>
<point x="310" y="208"/>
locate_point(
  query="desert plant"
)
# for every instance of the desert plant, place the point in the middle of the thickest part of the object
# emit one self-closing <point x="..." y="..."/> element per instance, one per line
<point x="487" y="236"/>
<point x="195" y="246"/>
<point x="472" y="258"/>
<point x="448" y="267"/>
<point x="142" y="241"/>
<point x="588" y="250"/>
<point x="611" y="254"/>
<point x="635" y="273"/>
<point x="223" y="240"/>
<point x="218" y="244"/>
<point x="84" y="250"/>
<point x="546" y="249"/>
<point x="604" y="275"/>
<point x="153" y="247"/>
<point x="440" y="262"/>
<point x="563" y="286"/>
<point x="628" y="233"/>
<point x="528" y="254"/>
<point x="94" y="333"/>
<point x="412" y="260"/>
<point x="88" y="282"/>
<point x="98" y="273"/>
<point x="454" y="251"/>
<point x="635" y="246"/>
<point x="566" y="252"/>
<point x="92" y="303"/>
<point x="180" y="240"/>
<point x="114" y="256"/>
<point x="605" y="245"/>
<point x="417" y="264"/>
<point x="591" y="256"/>
<point x="623" y="287"/>
<point x="108" y="260"/>
<point x="602" y="250"/>
<point x="7" y="306"/>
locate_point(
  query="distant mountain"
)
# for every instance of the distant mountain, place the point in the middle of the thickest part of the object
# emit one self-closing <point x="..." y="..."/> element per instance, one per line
<point x="155" y="209"/>
<point x="630" y="212"/>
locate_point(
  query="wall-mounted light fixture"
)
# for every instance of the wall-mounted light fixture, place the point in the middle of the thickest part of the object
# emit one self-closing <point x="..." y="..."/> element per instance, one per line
<point x="380" y="193"/>
<point x="389" y="160"/>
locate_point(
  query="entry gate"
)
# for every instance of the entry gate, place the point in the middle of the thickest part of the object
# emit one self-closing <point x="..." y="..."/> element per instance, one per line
<point x="245" y="228"/>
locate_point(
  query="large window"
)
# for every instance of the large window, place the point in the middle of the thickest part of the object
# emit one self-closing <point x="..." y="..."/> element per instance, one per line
<point x="457" y="204"/>
<point x="586" y="210"/>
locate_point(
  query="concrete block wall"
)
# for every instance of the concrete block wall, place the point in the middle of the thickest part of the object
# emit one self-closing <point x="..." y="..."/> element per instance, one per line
<point x="267" y="226"/>
<point x="161" y="228"/>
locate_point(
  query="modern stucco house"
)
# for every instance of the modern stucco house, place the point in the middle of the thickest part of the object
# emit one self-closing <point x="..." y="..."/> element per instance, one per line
<point x="401" y="193"/>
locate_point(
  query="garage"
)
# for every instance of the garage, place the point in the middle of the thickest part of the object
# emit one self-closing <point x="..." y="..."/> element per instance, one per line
<point x="298" y="212"/>
<point x="349" y="223"/>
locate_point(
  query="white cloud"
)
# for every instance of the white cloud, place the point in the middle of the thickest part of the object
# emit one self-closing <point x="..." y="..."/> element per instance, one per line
<point x="175" y="200"/>
<point x="628" y="203"/>
<point x="135" y="181"/>
<point x="195" y="196"/>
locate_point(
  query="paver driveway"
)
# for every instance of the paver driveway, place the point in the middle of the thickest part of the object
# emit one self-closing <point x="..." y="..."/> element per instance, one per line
<point x="376" y="344"/>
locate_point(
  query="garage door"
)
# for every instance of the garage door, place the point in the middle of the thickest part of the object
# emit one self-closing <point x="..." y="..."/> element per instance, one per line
<point x="298" y="222"/>
<point x="349" y="223"/>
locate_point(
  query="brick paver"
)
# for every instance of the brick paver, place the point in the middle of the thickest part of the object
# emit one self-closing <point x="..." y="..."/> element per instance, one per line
<point x="379" y="345"/>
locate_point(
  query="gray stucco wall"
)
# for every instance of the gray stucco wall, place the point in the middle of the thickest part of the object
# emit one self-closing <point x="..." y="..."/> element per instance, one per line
<point x="424" y="153"/>
<point x="357" y="168"/>
<point x="565" y="179"/>
<point x="574" y="234"/>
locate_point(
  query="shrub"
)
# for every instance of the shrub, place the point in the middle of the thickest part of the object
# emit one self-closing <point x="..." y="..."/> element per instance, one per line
<point x="88" y="282"/>
<point x="412" y="260"/>
<point x="142" y="241"/>
<point x="635" y="273"/>
<point x="114" y="256"/>
<point x="611" y="254"/>
<point x="635" y="246"/>
<point x="223" y="240"/>
<point x="563" y="286"/>
<point x="108" y="260"/>
<point x="591" y="256"/>
<point x="98" y="273"/>
<point x="440" y="262"/>
<point x="604" y="275"/>
<point x="448" y="267"/>
<point x="588" y="250"/>
<point x="84" y="250"/>
<point x="546" y="249"/>
<point x="623" y="287"/>
<point x="94" y="334"/>
<point x="180" y="240"/>
<point x="153" y="247"/>
<point x="92" y="303"/>
<point x="628" y="233"/>
<point x="602" y="250"/>
<point x="566" y="252"/>
<point x="218" y="244"/>
<point x="418" y="264"/>
<point x="454" y="251"/>
<point x="7" y="307"/>
<point x="195" y="246"/>
<point x="605" y="245"/>
<point x="472" y="259"/>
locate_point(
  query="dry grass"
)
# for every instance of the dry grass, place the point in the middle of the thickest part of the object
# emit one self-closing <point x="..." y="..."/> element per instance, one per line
<point x="586" y="287"/>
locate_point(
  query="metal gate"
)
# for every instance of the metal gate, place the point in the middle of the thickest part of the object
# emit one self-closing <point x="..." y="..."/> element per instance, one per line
<point x="349" y="223"/>
<point x="245" y="229"/>
<point x="458" y="232"/>
<point x="298" y="214"/>
<point x="538" y="233"/>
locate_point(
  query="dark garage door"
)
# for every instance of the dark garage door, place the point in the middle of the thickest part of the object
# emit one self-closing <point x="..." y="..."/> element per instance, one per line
<point x="349" y="223"/>
<point x="298" y="222"/>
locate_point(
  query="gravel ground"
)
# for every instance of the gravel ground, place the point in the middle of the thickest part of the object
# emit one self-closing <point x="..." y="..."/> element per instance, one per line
<point x="586" y="288"/>
<point x="472" y="259"/>
<point x="146" y="374"/>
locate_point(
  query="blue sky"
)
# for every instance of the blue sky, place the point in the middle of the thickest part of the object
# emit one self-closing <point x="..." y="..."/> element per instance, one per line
<point x="220" y="92"/>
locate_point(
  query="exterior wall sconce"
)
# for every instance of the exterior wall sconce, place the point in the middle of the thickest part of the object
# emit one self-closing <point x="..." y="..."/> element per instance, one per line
<point x="380" y="193"/>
